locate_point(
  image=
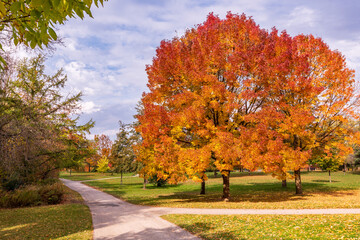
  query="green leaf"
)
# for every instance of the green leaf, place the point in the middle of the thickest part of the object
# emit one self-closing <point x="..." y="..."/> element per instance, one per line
<point x="35" y="13"/>
<point x="56" y="3"/>
<point x="80" y="13"/>
<point x="36" y="3"/>
<point x="52" y="33"/>
<point x="32" y="44"/>
<point x="2" y="8"/>
<point x="15" y="7"/>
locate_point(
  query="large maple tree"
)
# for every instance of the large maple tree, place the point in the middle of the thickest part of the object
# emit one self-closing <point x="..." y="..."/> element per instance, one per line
<point x="230" y="93"/>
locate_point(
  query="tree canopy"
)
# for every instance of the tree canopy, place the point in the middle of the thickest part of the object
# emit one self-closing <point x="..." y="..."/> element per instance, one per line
<point x="231" y="93"/>
<point x="38" y="130"/>
<point x="33" y="22"/>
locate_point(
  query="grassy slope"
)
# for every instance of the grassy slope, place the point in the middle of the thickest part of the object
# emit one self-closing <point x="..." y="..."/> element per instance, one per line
<point x="270" y="226"/>
<point x="255" y="191"/>
<point x="71" y="220"/>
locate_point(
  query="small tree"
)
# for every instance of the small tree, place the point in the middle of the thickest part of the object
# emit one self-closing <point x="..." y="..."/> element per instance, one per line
<point x="103" y="165"/>
<point x="122" y="153"/>
<point x="331" y="160"/>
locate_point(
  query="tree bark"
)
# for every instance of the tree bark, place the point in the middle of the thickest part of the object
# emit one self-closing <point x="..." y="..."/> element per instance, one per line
<point x="329" y="176"/>
<point x="284" y="183"/>
<point x="70" y="171"/>
<point x="144" y="184"/>
<point x="202" y="192"/>
<point x="215" y="173"/>
<point x="298" y="186"/>
<point x="226" y="185"/>
<point x="121" y="173"/>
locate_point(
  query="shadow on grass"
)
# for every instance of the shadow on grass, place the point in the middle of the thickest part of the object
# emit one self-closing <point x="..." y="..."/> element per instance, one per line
<point x="259" y="192"/>
<point x="325" y="181"/>
<point x="205" y="228"/>
<point x="270" y="192"/>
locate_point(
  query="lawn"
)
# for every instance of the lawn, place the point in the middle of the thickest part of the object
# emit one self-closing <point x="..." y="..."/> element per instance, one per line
<point x="70" y="220"/>
<point x="254" y="191"/>
<point x="270" y="226"/>
<point x="91" y="175"/>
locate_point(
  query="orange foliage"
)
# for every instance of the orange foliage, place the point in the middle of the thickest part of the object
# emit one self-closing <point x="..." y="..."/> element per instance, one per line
<point x="231" y="93"/>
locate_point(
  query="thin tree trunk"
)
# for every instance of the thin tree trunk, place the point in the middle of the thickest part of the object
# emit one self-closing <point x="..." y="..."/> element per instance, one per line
<point x="70" y="171"/>
<point x="202" y="192"/>
<point x="298" y="185"/>
<point x="284" y="183"/>
<point x="144" y="184"/>
<point x="215" y="173"/>
<point x="121" y="182"/>
<point x="226" y="185"/>
<point x="329" y="176"/>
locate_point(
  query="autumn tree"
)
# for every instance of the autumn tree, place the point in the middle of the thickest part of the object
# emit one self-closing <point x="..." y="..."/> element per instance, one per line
<point x="103" y="165"/>
<point x="103" y="144"/>
<point x="206" y="89"/>
<point x="315" y="103"/>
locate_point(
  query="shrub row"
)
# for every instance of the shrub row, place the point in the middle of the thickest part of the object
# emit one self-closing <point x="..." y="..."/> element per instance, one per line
<point x="32" y="195"/>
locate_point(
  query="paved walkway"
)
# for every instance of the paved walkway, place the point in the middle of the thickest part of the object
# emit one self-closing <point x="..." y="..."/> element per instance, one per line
<point x="117" y="219"/>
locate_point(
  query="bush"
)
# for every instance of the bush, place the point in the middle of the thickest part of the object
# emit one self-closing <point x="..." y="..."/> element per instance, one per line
<point x="52" y="194"/>
<point x="32" y="195"/>
<point x="12" y="184"/>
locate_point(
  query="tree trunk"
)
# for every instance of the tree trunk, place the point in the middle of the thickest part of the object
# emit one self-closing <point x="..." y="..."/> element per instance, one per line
<point x="329" y="176"/>
<point x="144" y="184"/>
<point x="298" y="186"/>
<point x="226" y="185"/>
<point x="215" y="173"/>
<point x="202" y="192"/>
<point x="121" y="173"/>
<point x="70" y="171"/>
<point x="284" y="183"/>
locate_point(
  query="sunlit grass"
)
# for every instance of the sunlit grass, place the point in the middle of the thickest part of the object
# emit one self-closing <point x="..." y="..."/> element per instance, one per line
<point x="71" y="220"/>
<point x="75" y="176"/>
<point x="270" y="226"/>
<point x="257" y="191"/>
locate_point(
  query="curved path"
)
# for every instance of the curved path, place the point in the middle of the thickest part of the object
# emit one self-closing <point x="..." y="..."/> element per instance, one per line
<point x="116" y="219"/>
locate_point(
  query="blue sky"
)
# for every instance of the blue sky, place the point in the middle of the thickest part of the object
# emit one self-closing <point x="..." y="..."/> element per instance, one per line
<point x="105" y="57"/>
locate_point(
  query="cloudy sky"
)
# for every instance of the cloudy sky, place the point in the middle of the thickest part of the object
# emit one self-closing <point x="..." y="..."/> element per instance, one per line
<point x="105" y="57"/>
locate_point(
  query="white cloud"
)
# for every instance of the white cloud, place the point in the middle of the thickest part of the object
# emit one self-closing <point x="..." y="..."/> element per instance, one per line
<point x="303" y="16"/>
<point x="89" y="107"/>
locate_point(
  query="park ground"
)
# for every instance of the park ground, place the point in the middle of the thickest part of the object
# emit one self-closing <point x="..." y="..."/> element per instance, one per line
<point x="251" y="191"/>
<point x="69" y="220"/>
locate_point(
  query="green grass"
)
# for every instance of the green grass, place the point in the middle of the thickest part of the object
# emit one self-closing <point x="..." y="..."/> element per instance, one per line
<point x="270" y="226"/>
<point x="256" y="191"/>
<point x="71" y="220"/>
<point x="91" y="175"/>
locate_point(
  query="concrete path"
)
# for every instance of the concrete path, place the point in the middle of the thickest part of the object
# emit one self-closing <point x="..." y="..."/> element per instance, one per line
<point x="117" y="219"/>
